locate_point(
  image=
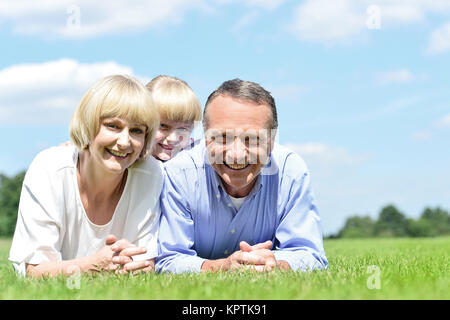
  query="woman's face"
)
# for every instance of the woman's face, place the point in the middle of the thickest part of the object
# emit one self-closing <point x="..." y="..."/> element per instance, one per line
<point x="171" y="137"/>
<point x="118" y="143"/>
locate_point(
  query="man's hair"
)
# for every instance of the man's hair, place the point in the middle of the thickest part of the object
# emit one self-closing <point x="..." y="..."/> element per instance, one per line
<point x="174" y="99"/>
<point x="244" y="90"/>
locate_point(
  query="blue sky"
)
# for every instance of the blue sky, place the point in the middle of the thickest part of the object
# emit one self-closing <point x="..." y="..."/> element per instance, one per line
<point x="362" y="87"/>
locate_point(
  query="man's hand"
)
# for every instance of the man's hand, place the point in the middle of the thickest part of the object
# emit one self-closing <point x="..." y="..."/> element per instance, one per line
<point x="258" y="257"/>
<point x="263" y="250"/>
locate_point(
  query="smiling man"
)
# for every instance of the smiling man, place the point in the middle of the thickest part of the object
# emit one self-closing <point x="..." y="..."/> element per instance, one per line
<point x="238" y="200"/>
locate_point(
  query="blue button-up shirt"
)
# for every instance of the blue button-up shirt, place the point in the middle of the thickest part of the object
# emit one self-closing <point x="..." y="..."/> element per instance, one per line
<point x="199" y="220"/>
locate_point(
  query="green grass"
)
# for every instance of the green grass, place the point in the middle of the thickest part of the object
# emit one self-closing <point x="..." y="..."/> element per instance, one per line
<point x="408" y="269"/>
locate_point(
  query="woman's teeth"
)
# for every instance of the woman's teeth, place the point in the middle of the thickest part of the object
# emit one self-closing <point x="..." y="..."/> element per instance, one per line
<point x="118" y="154"/>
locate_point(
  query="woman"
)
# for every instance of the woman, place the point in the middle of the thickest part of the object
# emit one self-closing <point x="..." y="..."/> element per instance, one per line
<point x="78" y="201"/>
<point x="179" y="109"/>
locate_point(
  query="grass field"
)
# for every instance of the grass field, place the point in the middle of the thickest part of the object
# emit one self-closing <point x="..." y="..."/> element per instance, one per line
<point x="359" y="269"/>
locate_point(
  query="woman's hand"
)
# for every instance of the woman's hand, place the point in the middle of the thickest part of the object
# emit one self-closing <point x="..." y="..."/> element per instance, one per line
<point x="103" y="259"/>
<point x="123" y="258"/>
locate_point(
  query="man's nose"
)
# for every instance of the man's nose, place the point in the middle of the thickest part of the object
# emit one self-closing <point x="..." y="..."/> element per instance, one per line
<point x="237" y="152"/>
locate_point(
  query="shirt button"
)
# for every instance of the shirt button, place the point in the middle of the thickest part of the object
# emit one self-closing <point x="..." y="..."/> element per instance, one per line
<point x="218" y="195"/>
<point x="229" y="205"/>
<point x="225" y="252"/>
<point x="233" y="231"/>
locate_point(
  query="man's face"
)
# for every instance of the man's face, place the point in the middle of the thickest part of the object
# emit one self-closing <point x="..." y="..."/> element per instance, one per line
<point x="239" y="141"/>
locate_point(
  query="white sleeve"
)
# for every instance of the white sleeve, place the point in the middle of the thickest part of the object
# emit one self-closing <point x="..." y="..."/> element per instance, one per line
<point x="148" y="235"/>
<point x="37" y="237"/>
<point x="146" y="208"/>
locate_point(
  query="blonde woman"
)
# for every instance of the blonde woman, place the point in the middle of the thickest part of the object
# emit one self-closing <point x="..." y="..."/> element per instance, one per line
<point x="94" y="206"/>
<point x="179" y="109"/>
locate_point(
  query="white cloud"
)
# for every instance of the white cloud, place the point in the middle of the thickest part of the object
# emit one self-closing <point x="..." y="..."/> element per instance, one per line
<point x="439" y="40"/>
<point x="443" y="122"/>
<point x="404" y="13"/>
<point x="245" y="20"/>
<point x="266" y="4"/>
<point x="325" y="156"/>
<point x="338" y="21"/>
<point x="48" y="92"/>
<point x="396" y="76"/>
<point x="327" y="21"/>
<point x="422" y="136"/>
<point x="288" y="91"/>
<point x="91" y="18"/>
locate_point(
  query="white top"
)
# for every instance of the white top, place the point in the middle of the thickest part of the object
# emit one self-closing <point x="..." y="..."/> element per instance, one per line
<point x="52" y="224"/>
<point x="237" y="202"/>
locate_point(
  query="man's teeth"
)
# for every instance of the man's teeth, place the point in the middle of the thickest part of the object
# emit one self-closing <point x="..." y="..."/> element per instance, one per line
<point x="117" y="153"/>
<point x="237" y="166"/>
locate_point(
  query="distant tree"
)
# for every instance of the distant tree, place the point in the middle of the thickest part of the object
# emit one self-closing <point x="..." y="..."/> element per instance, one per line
<point x="438" y="219"/>
<point x="391" y="223"/>
<point x="357" y="227"/>
<point x="10" y="189"/>
<point x="421" y="228"/>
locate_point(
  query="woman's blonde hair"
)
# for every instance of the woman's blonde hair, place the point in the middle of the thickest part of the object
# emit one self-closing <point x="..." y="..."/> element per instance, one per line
<point x="114" y="96"/>
<point x="175" y="99"/>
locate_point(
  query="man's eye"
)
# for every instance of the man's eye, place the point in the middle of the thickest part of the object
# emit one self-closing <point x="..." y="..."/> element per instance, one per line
<point x="226" y="139"/>
<point x="163" y="126"/>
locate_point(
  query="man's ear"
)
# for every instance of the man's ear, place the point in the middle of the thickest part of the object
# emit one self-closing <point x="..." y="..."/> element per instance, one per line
<point x="273" y="134"/>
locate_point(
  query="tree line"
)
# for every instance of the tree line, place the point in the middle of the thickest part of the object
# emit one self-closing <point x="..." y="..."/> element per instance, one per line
<point x="393" y="223"/>
<point x="390" y="223"/>
<point x="10" y="188"/>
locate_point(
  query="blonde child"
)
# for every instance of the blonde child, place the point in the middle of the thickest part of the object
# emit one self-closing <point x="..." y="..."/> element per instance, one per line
<point x="179" y="109"/>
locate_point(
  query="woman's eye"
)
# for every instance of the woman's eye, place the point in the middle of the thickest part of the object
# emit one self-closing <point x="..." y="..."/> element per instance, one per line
<point x="111" y="125"/>
<point x="137" y="131"/>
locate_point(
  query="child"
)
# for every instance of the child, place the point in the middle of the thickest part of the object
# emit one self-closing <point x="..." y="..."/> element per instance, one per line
<point x="178" y="108"/>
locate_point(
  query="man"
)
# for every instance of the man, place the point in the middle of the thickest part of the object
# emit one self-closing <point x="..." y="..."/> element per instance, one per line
<point x="237" y="200"/>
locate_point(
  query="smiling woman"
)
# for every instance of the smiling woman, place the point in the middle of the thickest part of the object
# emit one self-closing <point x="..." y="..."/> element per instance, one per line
<point x="77" y="202"/>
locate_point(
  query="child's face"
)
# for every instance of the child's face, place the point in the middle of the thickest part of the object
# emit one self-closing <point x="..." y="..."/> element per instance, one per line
<point x="171" y="137"/>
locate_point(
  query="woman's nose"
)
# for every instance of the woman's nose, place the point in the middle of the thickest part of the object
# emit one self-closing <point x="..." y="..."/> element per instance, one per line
<point x="124" y="139"/>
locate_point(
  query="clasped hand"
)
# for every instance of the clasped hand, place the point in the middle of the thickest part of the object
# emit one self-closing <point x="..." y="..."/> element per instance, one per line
<point x="117" y="256"/>
<point x="258" y="257"/>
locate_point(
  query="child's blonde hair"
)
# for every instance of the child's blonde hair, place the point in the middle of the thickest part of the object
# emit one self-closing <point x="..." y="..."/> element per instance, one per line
<point x="174" y="99"/>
